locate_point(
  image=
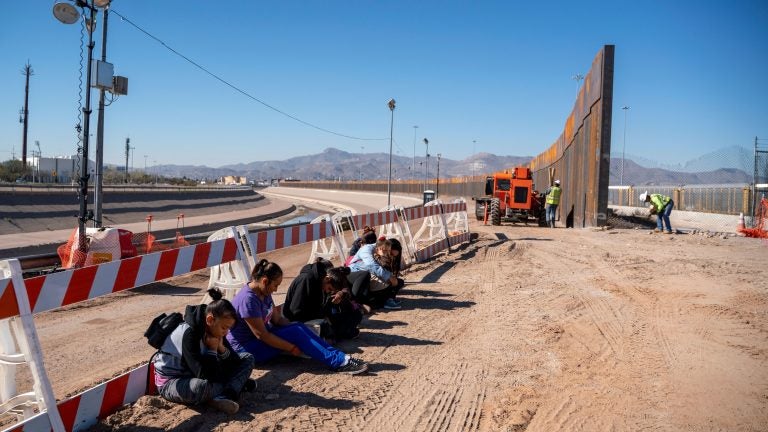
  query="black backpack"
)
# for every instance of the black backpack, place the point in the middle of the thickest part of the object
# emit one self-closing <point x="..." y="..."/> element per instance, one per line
<point x="162" y="327"/>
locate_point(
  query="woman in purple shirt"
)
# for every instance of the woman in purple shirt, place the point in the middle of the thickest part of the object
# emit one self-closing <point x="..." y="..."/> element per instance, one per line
<point x="262" y="330"/>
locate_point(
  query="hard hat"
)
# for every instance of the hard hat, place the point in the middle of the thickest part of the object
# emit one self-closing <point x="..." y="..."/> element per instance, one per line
<point x="643" y="196"/>
<point x="557" y="182"/>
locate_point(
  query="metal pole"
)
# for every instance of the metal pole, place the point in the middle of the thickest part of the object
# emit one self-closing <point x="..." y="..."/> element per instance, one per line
<point x="473" y="159"/>
<point x="391" y="105"/>
<point x="624" y="146"/>
<point x="83" y="217"/>
<point x="437" y="183"/>
<point x="99" y="177"/>
<point x="413" y="170"/>
<point x="426" y="163"/>
<point x="127" y="152"/>
<point x="28" y="72"/>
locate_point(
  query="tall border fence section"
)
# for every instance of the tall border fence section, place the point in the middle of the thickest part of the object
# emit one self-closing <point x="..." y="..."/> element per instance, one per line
<point x="229" y="253"/>
<point x="581" y="156"/>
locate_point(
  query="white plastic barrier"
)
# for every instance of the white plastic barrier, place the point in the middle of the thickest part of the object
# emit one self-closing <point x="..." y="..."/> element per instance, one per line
<point x="229" y="277"/>
<point x="327" y="247"/>
<point x="397" y="230"/>
<point x="457" y="222"/>
<point x="21" y="329"/>
<point x="433" y="229"/>
<point x="338" y="226"/>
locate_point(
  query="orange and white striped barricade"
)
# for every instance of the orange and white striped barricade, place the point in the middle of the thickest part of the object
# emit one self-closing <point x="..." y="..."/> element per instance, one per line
<point x="20" y="298"/>
<point x="396" y="230"/>
<point x="18" y="327"/>
<point x="431" y="237"/>
<point x="229" y="277"/>
<point x="457" y="223"/>
<point x="326" y="247"/>
<point x="340" y="220"/>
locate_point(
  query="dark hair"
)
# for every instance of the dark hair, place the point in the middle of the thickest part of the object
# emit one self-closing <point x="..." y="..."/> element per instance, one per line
<point x="338" y="277"/>
<point x="369" y="237"/>
<point x="396" y="261"/>
<point x="220" y="307"/>
<point x="384" y="242"/>
<point x="267" y="269"/>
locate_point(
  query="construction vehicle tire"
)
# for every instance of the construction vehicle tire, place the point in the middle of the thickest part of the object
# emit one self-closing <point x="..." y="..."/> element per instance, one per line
<point x="495" y="212"/>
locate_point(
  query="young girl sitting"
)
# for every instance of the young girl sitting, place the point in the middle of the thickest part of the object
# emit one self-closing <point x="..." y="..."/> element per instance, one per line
<point x="263" y="331"/>
<point x="197" y="365"/>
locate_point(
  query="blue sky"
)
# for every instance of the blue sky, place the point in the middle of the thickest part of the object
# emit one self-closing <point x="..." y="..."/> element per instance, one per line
<point x="496" y="72"/>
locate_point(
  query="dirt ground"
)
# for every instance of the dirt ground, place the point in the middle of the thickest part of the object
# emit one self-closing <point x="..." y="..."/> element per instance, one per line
<point x="525" y="328"/>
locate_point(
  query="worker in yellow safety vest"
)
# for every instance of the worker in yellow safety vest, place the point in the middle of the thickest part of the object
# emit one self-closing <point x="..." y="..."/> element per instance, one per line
<point x="553" y="200"/>
<point x="661" y="206"/>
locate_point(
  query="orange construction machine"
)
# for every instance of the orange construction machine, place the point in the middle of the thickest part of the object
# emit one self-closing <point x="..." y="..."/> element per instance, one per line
<point x="511" y="197"/>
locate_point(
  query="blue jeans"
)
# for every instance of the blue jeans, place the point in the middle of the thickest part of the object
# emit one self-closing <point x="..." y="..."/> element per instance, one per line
<point x="663" y="216"/>
<point x="300" y="335"/>
<point x="551" y="212"/>
<point x="194" y="391"/>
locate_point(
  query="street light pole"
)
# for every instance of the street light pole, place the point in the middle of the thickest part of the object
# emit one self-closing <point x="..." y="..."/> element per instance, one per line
<point x="83" y="181"/>
<point x="391" y="105"/>
<point x="426" y="163"/>
<point x="624" y="146"/>
<point x="578" y="78"/>
<point x="437" y="184"/>
<point x="413" y="170"/>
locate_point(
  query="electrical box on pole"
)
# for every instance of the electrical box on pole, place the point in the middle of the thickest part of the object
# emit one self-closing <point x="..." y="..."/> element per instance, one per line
<point x="103" y="73"/>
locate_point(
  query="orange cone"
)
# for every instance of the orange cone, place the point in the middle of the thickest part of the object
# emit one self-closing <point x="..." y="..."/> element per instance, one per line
<point x="741" y="222"/>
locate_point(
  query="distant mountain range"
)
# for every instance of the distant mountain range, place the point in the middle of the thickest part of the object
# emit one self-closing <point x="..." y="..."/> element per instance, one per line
<point x="729" y="165"/>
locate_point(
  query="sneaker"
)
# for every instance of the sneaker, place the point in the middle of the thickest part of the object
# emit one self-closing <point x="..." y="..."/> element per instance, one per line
<point x="391" y="304"/>
<point x="224" y="405"/>
<point x="669" y="232"/>
<point x="353" y="367"/>
<point x="656" y="230"/>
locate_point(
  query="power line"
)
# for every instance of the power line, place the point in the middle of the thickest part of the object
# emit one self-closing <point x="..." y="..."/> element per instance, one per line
<point x="238" y="89"/>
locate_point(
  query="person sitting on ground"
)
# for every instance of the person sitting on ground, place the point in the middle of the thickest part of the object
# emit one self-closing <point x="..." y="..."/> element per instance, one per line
<point x="196" y="364"/>
<point x="320" y="292"/>
<point x="368" y="237"/>
<point x="379" y="293"/>
<point x="262" y="330"/>
<point x="661" y="206"/>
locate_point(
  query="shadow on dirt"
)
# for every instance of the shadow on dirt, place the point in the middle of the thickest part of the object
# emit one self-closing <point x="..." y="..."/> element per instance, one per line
<point x="435" y="274"/>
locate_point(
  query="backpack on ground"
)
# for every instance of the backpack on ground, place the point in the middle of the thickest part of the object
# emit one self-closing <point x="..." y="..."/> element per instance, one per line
<point x="162" y="327"/>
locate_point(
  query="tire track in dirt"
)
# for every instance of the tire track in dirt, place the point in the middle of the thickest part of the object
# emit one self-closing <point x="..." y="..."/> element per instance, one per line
<point x="428" y="397"/>
<point x="621" y="317"/>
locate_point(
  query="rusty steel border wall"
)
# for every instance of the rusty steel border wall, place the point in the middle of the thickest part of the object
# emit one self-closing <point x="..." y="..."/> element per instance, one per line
<point x="580" y="158"/>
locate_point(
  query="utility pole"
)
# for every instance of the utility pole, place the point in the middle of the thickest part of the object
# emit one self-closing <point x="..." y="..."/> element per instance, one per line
<point x="127" y="152"/>
<point x="39" y="156"/>
<point x="99" y="175"/>
<point x="27" y="71"/>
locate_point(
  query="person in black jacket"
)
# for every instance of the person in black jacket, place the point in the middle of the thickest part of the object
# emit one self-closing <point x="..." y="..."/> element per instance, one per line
<point x="320" y="291"/>
<point x="196" y="364"/>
